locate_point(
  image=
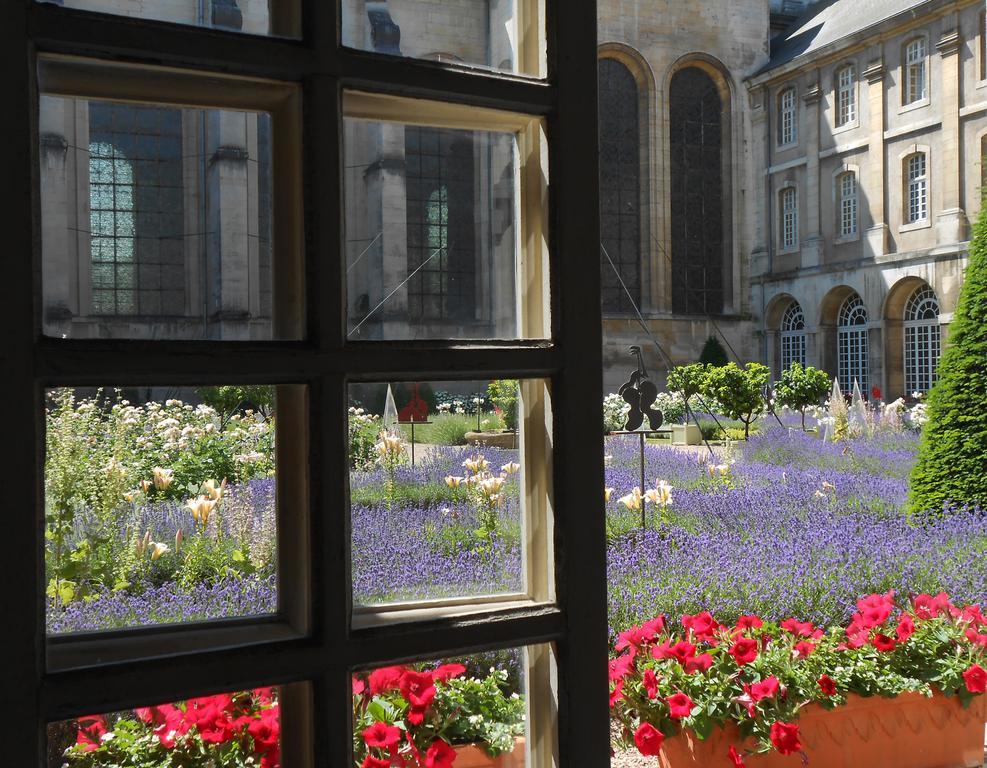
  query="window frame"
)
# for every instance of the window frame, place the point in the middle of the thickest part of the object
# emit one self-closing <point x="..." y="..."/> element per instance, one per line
<point x="853" y="344"/>
<point x="788" y="135"/>
<point x="848" y="93"/>
<point x="922" y="342"/>
<point x="909" y="67"/>
<point x="788" y="214"/>
<point x="316" y="65"/>
<point x="842" y="202"/>
<point x="793" y="336"/>
<point x="919" y="186"/>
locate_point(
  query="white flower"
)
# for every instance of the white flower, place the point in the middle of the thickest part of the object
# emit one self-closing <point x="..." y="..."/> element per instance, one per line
<point x="633" y="499"/>
<point x="511" y="468"/>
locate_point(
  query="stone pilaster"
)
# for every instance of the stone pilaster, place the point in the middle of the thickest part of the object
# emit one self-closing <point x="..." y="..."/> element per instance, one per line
<point x="872" y="179"/>
<point x="951" y="221"/>
<point x="812" y="245"/>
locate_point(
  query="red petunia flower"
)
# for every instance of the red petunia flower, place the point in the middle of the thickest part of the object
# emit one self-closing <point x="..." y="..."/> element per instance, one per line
<point x="91" y="730"/>
<point x="382" y="736"/>
<point x="976" y="679"/>
<point x="650" y="680"/>
<point x="883" y="643"/>
<point x="827" y="685"/>
<point x="736" y="759"/>
<point x="448" y="672"/>
<point x="699" y="663"/>
<point x="616" y="693"/>
<point x="906" y="628"/>
<point x="749" y="622"/>
<point x="375" y="762"/>
<point x="803" y="648"/>
<point x="785" y="737"/>
<point x="702" y="625"/>
<point x="973" y="614"/>
<point x="358" y="686"/>
<point x="929" y="607"/>
<point x="765" y="689"/>
<point x="385" y="679"/>
<point x="266" y="731"/>
<point x="679" y="705"/>
<point x="439" y="755"/>
<point x="648" y="740"/>
<point x="801" y="628"/>
<point x="621" y="667"/>
<point x="744" y="651"/>
<point x="975" y="637"/>
<point x="418" y="688"/>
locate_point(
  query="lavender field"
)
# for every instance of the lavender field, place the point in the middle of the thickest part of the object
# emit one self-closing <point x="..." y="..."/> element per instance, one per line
<point x="794" y="526"/>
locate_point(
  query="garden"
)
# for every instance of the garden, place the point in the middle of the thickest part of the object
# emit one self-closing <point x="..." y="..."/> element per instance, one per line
<point x="833" y="557"/>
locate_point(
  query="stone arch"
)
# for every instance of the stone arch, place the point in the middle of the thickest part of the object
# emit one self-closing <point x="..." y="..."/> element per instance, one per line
<point x="724" y="288"/>
<point x="827" y="318"/>
<point x="635" y="65"/>
<point x="775" y="314"/>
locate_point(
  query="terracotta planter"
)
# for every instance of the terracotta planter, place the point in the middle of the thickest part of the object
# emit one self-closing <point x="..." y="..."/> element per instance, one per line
<point x="472" y="756"/>
<point x="910" y="731"/>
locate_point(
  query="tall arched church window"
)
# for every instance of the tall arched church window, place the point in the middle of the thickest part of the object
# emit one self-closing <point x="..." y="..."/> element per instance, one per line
<point x="852" y="344"/>
<point x="696" y="117"/>
<point x="441" y="231"/>
<point x="620" y="185"/>
<point x="923" y="340"/>
<point x="136" y="210"/>
<point x="792" y="336"/>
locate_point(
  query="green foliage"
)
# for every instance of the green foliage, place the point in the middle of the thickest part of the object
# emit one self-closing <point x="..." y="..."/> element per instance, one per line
<point x="227" y="400"/>
<point x="801" y="388"/>
<point x="688" y="380"/>
<point x="713" y="353"/>
<point x="951" y="463"/>
<point x="447" y="428"/>
<point x="363" y="429"/>
<point x="503" y="393"/>
<point x="465" y="710"/>
<point x="739" y="390"/>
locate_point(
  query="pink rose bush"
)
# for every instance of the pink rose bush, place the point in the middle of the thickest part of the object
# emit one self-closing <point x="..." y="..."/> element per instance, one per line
<point x="411" y="717"/>
<point x="759" y="674"/>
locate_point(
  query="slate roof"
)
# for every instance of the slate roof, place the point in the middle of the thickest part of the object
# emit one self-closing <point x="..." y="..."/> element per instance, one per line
<point x="827" y="21"/>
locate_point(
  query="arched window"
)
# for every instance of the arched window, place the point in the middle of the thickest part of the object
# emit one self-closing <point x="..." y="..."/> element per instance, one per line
<point x="916" y="188"/>
<point x="846" y="187"/>
<point x="787" y="118"/>
<point x="696" y="118"/>
<point x="846" y="95"/>
<point x="441" y="244"/>
<point x="923" y="340"/>
<point x="851" y="337"/>
<point x="113" y="275"/>
<point x="789" y="218"/>
<point x="620" y="185"/>
<point x="792" y="336"/>
<point x="916" y="81"/>
<point x="137" y="210"/>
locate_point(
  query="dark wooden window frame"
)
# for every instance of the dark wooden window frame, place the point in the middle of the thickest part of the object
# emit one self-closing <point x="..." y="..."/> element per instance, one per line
<point x="322" y="648"/>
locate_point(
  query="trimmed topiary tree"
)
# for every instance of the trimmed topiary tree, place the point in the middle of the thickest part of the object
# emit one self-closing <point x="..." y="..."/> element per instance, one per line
<point x="801" y="388"/>
<point x="739" y="390"/>
<point x="713" y="353"/>
<point x="952" y="459"/>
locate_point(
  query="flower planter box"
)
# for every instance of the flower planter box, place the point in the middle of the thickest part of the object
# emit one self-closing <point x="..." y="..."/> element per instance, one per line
<point x="473" y="756"/>
<point x="910" y="731"/>
<point x="686" y="434"/>
<point x="492" y="439"/>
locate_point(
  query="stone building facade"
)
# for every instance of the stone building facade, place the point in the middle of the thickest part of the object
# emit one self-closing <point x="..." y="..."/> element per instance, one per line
<point x="797" y="178"/>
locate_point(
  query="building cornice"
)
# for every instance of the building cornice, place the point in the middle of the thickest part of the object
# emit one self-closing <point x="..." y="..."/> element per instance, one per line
<point x="862" y="39"/>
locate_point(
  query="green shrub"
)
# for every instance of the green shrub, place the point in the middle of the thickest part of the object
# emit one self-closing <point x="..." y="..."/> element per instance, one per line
<point x="739" y="390"/>
<point x="951" y="461"/>
<point x="801" y="388"/>
<point x="713" y="353"/>
<point x="504" y="395"/>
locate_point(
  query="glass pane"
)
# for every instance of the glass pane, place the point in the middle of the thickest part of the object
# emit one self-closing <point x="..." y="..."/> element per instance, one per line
<point x="436" y="489"/>
<point x="239" y="728"/>
<point x="256" y="17"/>
<point x="159" y="506"/>
<point x="431" y="232"/>
<point x="484" y="33"/>
<point x="472" y="710"/>
<point x="156" y="221"/>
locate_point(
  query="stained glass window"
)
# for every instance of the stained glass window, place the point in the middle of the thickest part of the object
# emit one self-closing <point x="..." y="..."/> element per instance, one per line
<point x="620" y="186"/>
<point x="696" y="124"/>
<point x="441" y="232"/>
<point x="136" y="201"/>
